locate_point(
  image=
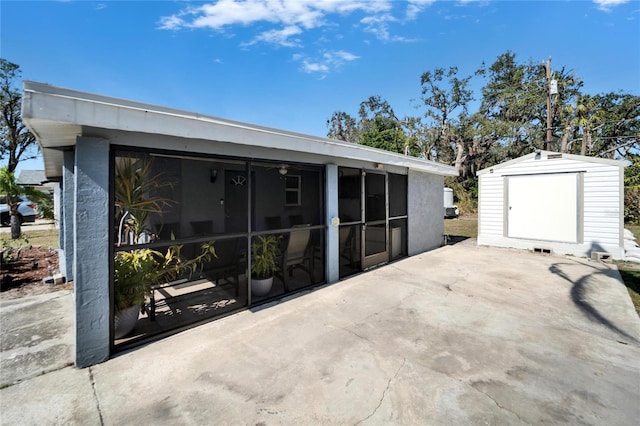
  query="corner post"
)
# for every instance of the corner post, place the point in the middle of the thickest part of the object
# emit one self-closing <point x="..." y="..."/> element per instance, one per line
<point x="91" y="251"/>
<point x="67" y="201"/>
<point x="333" y="233"/>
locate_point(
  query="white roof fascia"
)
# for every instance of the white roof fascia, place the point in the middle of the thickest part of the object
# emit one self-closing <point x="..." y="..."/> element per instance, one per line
<point x="45" y="105"/>
<point x="574" y="157"/>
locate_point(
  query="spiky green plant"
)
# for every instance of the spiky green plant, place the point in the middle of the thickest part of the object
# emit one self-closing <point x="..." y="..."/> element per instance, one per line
<point x="264" y="253"/>
<point x="137" y="194"/>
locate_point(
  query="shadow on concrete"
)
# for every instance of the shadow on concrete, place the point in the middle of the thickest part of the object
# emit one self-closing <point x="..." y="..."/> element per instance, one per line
<point x="579" y="296"/>
<point x="450" y="240"/>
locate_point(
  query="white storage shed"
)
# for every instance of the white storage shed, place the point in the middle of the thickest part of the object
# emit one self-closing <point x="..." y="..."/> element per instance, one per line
<point x="553" y="202"/>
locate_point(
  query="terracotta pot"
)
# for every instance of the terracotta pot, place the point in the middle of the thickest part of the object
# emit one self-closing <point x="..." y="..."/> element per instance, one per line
<point x="125" y="321"/>
<point x="261" y="287"/>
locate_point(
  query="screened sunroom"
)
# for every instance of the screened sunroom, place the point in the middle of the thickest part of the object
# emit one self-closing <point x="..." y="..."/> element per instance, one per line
<point x="225" y="203"/>
<point x="197" y="209"/>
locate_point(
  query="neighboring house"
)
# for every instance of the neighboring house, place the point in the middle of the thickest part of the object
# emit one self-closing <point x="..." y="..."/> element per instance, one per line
<point x="37" y="179"/>
<point x="33" y="178"/>
<point x="350" y="207"/>
<point x="553" y="202"/>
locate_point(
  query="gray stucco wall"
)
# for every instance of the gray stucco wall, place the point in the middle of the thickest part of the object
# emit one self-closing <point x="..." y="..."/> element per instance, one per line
<point x="91" y="251"/>
<point x="426" y="211"/>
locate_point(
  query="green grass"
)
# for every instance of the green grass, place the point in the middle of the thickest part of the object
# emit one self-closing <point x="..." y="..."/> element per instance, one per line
<point x="462" y="227"/>
<point x="631" y="277"/>
<point x="48" y="238"/>
<point x="630" y="272"/>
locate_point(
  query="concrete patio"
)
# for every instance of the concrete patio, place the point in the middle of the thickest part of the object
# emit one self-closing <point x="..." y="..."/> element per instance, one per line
<point x="459" y="335"/>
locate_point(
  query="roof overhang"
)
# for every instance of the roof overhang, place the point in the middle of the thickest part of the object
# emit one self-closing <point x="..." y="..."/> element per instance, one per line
<point x="550" y="155"/>
<point x="57" y="116"/>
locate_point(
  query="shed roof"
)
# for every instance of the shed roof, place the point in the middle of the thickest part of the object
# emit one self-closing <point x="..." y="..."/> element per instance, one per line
<point x="553" y="154"/>
<point x="57" y="116"/>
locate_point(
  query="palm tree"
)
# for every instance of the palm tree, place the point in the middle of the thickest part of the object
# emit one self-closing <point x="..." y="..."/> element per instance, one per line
<point x="11" y="192"/>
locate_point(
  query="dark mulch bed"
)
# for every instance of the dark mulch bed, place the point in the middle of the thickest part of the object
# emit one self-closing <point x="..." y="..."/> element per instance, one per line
<point x="24" y="276"/>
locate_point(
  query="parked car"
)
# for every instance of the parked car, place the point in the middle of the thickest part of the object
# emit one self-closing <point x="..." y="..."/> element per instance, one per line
<point x="27" y="211"/>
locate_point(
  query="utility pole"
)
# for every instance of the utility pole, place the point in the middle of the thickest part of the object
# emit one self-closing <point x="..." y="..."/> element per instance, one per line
<point x="552" y="89"/>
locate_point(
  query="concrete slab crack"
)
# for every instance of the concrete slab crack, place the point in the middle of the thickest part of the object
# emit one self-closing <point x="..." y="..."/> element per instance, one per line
<point x="501" y="406"/>
<point x="95" y="395"/>
<point x="384" y="393"/>
<point x="353" y="332"/>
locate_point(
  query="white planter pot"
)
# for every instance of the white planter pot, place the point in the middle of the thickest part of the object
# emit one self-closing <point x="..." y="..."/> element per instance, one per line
<point x="261" y="287"/>
<point x="125" y="321"/>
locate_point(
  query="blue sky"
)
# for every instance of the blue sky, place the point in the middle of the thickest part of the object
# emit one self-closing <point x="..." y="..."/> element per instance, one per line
<point x="291" y="63"/>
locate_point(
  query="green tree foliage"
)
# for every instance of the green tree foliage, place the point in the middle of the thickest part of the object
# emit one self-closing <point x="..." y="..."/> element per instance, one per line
<point x="444" y="94"/>
<point x="10" y="192"/>
<point x="513" y="111"/>
<point x="17" y="142"/>
<point x="632" y="190"/>
<point x="342" y="127"/>
<point x="379" y="127"/>
<point x="510" y="120"/>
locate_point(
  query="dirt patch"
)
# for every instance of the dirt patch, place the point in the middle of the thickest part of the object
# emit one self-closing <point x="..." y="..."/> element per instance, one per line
<point x="24" y="276"/>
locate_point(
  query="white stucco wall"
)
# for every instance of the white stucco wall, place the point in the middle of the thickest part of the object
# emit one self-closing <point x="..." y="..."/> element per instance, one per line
<point x="425" y="200"/>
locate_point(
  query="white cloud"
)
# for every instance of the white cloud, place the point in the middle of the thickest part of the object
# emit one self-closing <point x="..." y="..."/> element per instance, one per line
<point x="606" y="5"/>
<point x="416" y="6"/>
<point x="279" y="37"/>
<point x="378" y="26"/>
<point x="172" y="22"/>
<point x="328" y="61"/>
<point x="311" y="67"/>
<point x="290" y="17"/>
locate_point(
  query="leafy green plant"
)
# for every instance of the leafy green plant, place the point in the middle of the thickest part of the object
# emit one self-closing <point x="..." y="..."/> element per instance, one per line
<point x="10" y="250"/>
<point x="136" y="271"/>
<point x="137" y="195"/>
<point x="264" y="253"/>
<point x="632" y="190"/>
<point x="465" y="193"/>
<point x="44" y="201"/>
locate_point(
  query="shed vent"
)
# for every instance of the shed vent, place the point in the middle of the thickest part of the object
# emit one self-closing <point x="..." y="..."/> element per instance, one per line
<point x="553" y="156"/>
<point x="542" y="250"/>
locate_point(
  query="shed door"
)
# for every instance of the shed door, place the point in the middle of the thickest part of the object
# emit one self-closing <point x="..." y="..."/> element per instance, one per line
<point x="543" y="207"/>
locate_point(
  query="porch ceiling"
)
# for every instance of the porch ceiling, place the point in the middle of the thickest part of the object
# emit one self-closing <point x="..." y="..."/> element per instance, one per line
<point x="58" y="116"/>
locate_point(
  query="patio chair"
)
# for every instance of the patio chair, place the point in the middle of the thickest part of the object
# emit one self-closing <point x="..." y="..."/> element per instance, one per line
<point x="296" y="255"/>
<point x="348" y="249"/>
<point x="225" y="265"/>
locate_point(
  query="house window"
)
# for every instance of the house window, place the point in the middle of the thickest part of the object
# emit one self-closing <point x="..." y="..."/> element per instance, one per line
<point x="292" y="191"/>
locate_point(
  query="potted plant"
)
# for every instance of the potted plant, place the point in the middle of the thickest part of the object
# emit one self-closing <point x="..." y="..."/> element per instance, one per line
<point x="137" y="271"/>
<point x="265" y="250"/>
<point x="138" y="190"/>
